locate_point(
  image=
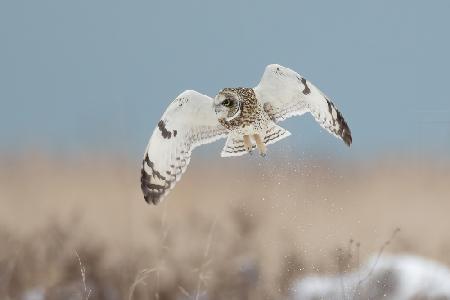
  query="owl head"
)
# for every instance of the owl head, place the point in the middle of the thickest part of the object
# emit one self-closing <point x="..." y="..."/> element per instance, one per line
<point x="228" y="104"/>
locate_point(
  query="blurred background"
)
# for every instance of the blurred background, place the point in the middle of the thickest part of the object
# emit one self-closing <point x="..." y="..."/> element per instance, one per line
<point x="83" y="84"/>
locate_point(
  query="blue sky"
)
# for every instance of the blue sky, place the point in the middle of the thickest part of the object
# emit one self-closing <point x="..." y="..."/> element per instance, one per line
<point x="77" y="76"/>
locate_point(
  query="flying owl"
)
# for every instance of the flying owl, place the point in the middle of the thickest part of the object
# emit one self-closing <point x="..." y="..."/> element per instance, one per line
<point x="247" y="117"/>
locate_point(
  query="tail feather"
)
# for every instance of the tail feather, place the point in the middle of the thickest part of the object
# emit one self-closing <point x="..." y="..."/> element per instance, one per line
<point x="235" y="143"/>
<point x="234" y="146"/>
<point x="274" y="134"/>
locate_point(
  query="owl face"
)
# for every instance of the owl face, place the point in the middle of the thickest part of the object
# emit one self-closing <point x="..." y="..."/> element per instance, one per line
<point x="227" y="104"/>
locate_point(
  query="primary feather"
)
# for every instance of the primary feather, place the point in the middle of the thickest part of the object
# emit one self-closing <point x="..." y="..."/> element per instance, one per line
<point x="284" y="94"/>
<point x="188" y="122"/>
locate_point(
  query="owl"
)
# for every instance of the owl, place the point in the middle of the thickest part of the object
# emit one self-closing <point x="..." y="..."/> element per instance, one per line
<point x="247" y="117"/>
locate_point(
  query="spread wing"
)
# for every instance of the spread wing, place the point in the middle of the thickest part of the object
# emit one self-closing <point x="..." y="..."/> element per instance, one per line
<point x="188" y="122"/>
<point x="284" y="93"/>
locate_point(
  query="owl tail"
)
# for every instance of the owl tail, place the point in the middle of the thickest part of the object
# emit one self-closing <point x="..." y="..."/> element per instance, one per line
<point x="234" y="146"/>
<point x="275" y="133"/>
<point x="235" y="143"/>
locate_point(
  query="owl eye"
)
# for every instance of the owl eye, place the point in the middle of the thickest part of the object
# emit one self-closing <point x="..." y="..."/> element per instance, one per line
<point x="227" y="102"/>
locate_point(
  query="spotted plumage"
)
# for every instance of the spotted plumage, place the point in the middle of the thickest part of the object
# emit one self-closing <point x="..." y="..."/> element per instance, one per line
<point x="248" y="117"/>
<point x="252" y="116"/>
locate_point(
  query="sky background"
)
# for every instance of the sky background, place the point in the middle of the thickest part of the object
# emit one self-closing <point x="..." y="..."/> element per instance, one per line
<point x="81" y="76"/>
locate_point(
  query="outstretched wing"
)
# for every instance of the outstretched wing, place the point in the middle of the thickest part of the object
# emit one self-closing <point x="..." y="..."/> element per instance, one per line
<point x="284" y="93"/>
<point x="188" y="122"/>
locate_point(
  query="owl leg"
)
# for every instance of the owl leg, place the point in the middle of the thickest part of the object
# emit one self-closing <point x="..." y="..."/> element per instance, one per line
<point x="260" y="144"/>
<point x="248" y="144"/>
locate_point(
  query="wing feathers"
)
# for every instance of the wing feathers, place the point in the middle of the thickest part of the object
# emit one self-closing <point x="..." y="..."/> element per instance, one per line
<point x="285" y="94"/>
<point x="339" y="126"/>
<point x="188" y="122"/>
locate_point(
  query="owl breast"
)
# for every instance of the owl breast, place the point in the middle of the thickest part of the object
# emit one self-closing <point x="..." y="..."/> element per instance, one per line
<point x="252" y="119"/>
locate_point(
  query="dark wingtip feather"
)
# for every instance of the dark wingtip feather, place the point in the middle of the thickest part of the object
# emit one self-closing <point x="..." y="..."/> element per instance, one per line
<point x="346" y="134"/>
<point x="344" y="131"/>
<point x="148" y="189"/>
<point x="149" y="196"/>
<point x="151" y="200"/>
<point x="348" y="140"/>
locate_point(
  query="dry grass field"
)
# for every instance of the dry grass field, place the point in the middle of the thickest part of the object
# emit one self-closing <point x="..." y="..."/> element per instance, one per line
<point x="231" y="229"/>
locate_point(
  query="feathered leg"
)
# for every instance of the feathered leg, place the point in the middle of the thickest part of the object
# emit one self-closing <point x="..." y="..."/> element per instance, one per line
<point x="248" y="144"/>
<point x="260" y="144"/>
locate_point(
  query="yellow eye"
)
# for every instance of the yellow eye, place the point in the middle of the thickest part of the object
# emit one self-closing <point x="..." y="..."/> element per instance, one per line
<point x="227" y="103"/>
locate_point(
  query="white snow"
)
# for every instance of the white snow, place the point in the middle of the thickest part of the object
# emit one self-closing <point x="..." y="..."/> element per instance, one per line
<point x="399" y="277"/>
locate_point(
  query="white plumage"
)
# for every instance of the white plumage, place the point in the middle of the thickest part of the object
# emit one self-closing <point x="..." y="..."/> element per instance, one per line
<point x="247" y="116"/>
<point x="288" y="94"/>
<point x="188" y="122"/>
